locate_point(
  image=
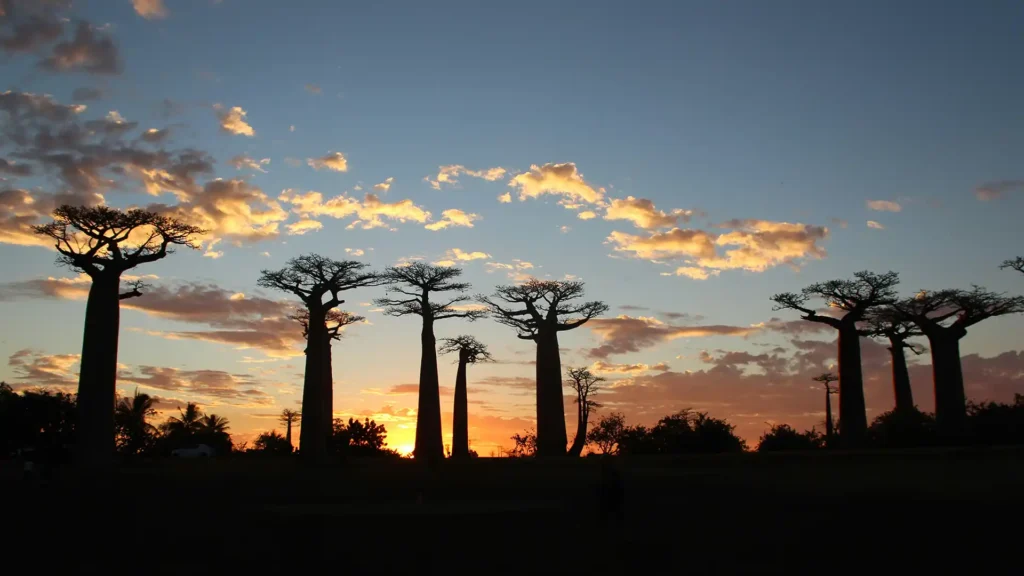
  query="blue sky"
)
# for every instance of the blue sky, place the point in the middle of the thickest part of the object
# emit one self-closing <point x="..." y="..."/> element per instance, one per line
<point x="782" y="112"/>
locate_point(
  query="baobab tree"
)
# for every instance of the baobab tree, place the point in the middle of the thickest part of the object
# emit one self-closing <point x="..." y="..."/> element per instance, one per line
<point x="1015" y="264"/>
<point x="944" y="316"/>
<point x="886" y="322"/>
<point x="104" y="243"/>
<point x="289" y="417"/>
<point x="585" y="384"/>
<point x="335" y="322"/>
<point x="855" y="298"/>
<point x="313" y="278"/>
<point x="470" y="351"/>
<point x="538" y="310"/>
<point x="827" y="379"/>
<point x="409" y="293"/>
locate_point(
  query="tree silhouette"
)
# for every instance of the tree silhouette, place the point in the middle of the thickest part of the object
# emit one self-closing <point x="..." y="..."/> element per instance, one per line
<point x="104" y="243"/>
<point x="1016" y="264"/>
<point x="313" y="278"/>
<point x="272" y="443"/>
<point x="827" y="379"/>
<point x="854" y="297"/>
<point x="133" y="434"/>
<point x="886" y="322"/>
<point x="180" y="431"/>
<point x="470" y="351"/>
<point x="334" y="323"/>
<point x="289" y="417"/>
<point x="944" y="316"/>
<point x="607" y="431"/>
<point x="523" y="445"/>
<point x="37" y="422"/>
<point x="538" y="310"/>
<point x="213" y="431"/>
<point x="412" y="287"/>
<point x="783" y="437"/>
<point x="585" y="384"/>
<point x="366" y="438"/>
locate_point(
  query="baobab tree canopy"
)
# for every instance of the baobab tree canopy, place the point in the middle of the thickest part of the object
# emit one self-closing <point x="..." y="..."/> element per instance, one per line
<point x="335" y="321"/>
<point x="1015" y="264"/>
<point x="469" y="348"/>
<point x="538" y="310"/>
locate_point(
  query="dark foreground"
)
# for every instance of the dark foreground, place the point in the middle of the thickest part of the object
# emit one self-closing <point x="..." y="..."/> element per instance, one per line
<point x="828" y="512"/>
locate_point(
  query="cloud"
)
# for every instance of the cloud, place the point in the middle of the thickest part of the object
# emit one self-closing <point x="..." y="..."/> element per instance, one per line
<point x="86" y="94"/>
<point x="87" y="51"/>
<point x="625" y="333"/>
<point x="998" y="188"/>
<point x="557" y="179"/>
<point x="453" y="217"/>
<point x="334" y="161"/>
<point x="505" y="198"/>
<point x="564" y="229"/>
<point x="449" y="175"/>
<point x="642" y="213"/>
<point x="455" y="255"/>
<point x="243" y="161"/>
<point x="36" y="368"/>
<point x="26" y="30"/>
<point x="517" y="270"/>
<point x="21" y="209"/>
<point x="875" y="225"/>
<point x="369" y="212"/>
<point x="693" y="272"/>
<point x="150" y="9"/>
<point x="155" y="135"/>
<point x="313" y="89"/>
<point x="602" y="367"/>
<point x="839" y="222"/>
<point x="587" y="215"/>
<point x="401" y="389"/>
<point x="300" y="227"/>
<point x="884" y="206"/>
<point x="231" y="209"/>
<point x="215" y="386"/>
<point x="385" y="185"/>
<point x="12" y="169"/>
<point x="676" y="243"/>
<point x="354" y="251"/>
<point x="232" y="120"/>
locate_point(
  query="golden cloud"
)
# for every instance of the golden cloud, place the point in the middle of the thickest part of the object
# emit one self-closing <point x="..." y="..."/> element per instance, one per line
<point x="449" y="175"/>
<point x="334" y="161"/>
<point x="884" y="206"/>
<point x="556" y="179"/>
<point x="232" y="120"/>
<point x="642" y="213"/>
<point x="453" y="217"/>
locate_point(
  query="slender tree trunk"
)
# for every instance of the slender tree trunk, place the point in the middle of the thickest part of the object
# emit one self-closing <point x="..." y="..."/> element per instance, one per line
<point x="289" y="435"/>
<point x="98" y="375"/>
<point x="829" y="431"/>
<point x="852" y="414"/>
<point x="429" y="445"/>
<point x="312" y="437"/>
<point x="550" y="409"/>
<point x="950" y="401"/>
<point x="460" y="415"/>
<point x="901" y="378"/>
<point x="581" y="432"/>
<point x="328" y="380"/>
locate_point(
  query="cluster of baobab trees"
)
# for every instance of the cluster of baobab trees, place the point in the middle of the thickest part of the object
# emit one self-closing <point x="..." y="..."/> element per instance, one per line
<point x="104" y="243"/>
<point x="868" y="305"/>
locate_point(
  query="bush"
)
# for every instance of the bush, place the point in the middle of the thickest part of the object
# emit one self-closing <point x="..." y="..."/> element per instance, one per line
<point x="782" y="437"/>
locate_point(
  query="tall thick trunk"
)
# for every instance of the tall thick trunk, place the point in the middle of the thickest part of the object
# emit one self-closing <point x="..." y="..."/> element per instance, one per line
<point x="828" y="419"/>
<point x="327" y="414"/>
<point x="550" y="409"/>
<point x="313" y="436"/>
<point x="97" y="378"/>
<point x="852" y="415"/>
<point x="460" y="415"/>
<point x="429" y="445"/>
<point x="901" y="378"/>
<point x="581" y="433"/>
<point x="950" y="401"/>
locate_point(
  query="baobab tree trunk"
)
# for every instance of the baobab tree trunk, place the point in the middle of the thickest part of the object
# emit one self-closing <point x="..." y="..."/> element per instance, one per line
<point x="901" y="378"/>
<point x="313" y="437"/>
<point x="97" y="377"/>
<point x="429" y="445"/>
<point x="581" y="433"/>
<point x="550" y="409"/>
<point x="328" y="399"/>
<point x="460" y="415"/>
<point x="852" y="413"/>
<point x="828" y="419"/>
<point x="950" y="401"/>
<point x="288" y="435"/>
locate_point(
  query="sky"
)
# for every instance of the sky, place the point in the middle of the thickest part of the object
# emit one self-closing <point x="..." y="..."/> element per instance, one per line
<point x="686" y="160"/>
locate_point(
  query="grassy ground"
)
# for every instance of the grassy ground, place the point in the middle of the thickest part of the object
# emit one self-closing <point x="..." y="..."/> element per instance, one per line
<point x="741" y="513"/>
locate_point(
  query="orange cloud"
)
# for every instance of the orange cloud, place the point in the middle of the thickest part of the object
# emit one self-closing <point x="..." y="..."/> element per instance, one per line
<point x="368" y="212"/>
<point x="625" y="333"/>
<point x="150" y="9"/>
<point x="884" y="206"/>
<point x="453" y="217"/>
<point x="334" y="161"/>
<point x="557" y="179"/>
<point x="642" y="213"/>
<point x="232" y="120"/>
<point x="449" y="175"/>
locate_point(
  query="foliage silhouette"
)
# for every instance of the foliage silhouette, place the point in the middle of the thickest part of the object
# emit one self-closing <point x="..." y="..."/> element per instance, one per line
<point x="271" y="443"/>
<point x="606" y="433"/>
<point x="854" y="297"/>
<point x="104" y="243"/>
<point x="312" y="278"/>
<point x="191" y="427"/>
<point x="538" y="310"/>
<point x="38" y="424"/>
<point x="685" y="432"/>
<point x="1015" y="264"/>
<point x="991" y="423"/>
<point x="782" y="437"/>
<point x="523" y="445"/>
<point x="289" y="418"/>
<point x="886" y="322"/>
<point x="826" y="380"/>
<point x="944" y="316"/>
<point x="133" y="435"/>
<point x="902" y="429"/>
<point x="584" y="384"/>
<point x="470" y="351"/>
<point x="360" y="439"/>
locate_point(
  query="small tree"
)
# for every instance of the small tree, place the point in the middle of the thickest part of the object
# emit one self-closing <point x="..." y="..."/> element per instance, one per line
<point x="133" y="434"/>
<point x="523" y="445"/>
<point x="104" y="243"/>
<point x="944" y="316"/>
<point x="288" y="418"/>
<point x="606" y="433"/>
<point x="412" y="287"/>
<point x="1015" y="264"/>
<point x="538" y="310"/>
<point x="782" y="437"/>
<point x="213" y="431"/>
<point x="180" y="431"/>
<point x="272" y="443"/>
<point x="826" y="380"/>
<point x="887" y="323"/>
<point x="585" y="384"/>
<point x="855" y="298"/>
<point x="312" y="278"/>
<point x="470" y="351"/>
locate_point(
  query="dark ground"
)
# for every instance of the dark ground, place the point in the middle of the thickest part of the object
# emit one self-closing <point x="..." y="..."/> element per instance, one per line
<point x="833" y="512"/>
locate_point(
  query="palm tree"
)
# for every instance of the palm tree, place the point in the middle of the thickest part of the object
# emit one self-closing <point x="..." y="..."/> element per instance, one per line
<point x="213" y="431"/>
<point x="133" y="433"/>
<point x="187" y="424"/>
